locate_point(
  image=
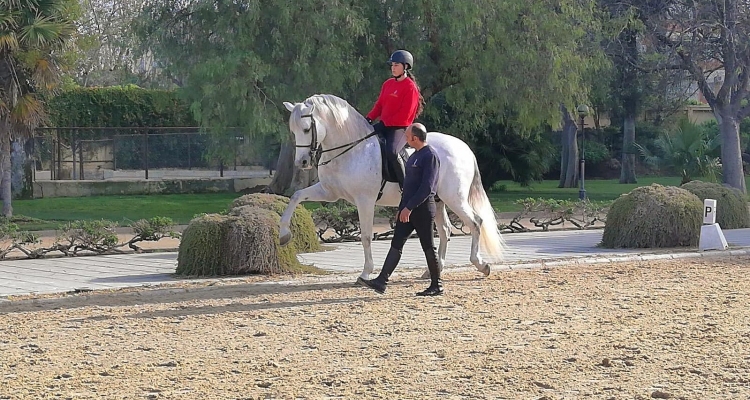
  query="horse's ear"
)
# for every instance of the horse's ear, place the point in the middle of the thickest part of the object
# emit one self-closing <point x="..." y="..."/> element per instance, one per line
<point x="289" y="106"/>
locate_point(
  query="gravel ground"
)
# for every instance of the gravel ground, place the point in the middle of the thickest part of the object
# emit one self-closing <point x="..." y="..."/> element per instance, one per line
<point x="668" y="329"/>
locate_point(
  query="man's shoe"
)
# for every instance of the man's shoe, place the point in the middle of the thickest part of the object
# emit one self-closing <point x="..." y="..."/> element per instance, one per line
<point x="374" y="284"/>
<point x="431" y="291"/>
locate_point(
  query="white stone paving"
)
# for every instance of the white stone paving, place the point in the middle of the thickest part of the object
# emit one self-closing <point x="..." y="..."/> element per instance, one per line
<point x="525" y="250"/>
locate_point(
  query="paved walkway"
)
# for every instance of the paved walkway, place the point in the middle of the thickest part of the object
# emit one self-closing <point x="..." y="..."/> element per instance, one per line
<point x="525" y="249"/>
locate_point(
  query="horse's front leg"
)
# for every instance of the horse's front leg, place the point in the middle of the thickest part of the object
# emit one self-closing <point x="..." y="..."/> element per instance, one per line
<point x="315" y="192"/>
<point x="443" y="225"/>
<point x="366" y="212"/>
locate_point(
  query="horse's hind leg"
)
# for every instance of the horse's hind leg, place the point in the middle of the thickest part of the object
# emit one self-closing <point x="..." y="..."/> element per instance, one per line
<point x="474" y="222"/>
<point x="443" y="225"/>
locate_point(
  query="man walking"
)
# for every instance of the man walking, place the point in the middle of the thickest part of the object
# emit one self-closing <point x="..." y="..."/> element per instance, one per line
<point x="416" y="212"/>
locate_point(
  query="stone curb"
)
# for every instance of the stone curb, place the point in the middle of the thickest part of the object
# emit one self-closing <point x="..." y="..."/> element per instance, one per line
<point x="146" y="293"/>
<point x="87" y="255"/>
<point x="143" y="292"/>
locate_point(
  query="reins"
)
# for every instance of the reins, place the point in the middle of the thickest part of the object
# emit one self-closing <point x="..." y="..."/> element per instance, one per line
<point x="316" y="150"/>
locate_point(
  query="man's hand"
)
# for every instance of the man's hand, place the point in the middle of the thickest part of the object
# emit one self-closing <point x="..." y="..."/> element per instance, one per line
<point x="404" y="215"/>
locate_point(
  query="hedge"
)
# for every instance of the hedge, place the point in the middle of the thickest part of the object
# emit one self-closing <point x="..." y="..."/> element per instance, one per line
<point x="127" y="106"/>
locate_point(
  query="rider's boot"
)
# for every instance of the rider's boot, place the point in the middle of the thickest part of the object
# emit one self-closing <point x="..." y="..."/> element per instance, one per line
<point x="397" y="169"/>
<point x="391" y="261"/>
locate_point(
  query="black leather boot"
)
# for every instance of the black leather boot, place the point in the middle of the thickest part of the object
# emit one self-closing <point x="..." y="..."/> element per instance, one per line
<point x="397" y="170"/>
<point x="436" y="284"/>
<point x="378" y="284"/>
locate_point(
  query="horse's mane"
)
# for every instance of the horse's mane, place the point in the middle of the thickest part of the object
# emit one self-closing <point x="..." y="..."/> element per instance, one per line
<point x="337" y="114"/>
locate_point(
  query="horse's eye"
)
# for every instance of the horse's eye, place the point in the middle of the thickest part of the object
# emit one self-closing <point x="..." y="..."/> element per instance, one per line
<point x="306" y="130"/>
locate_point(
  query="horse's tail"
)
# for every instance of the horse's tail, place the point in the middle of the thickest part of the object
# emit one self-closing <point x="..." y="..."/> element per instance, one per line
<point x="491" y="241"/>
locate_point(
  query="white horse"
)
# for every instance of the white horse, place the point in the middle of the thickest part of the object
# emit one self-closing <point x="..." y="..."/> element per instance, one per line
<point x="331" y="134"/>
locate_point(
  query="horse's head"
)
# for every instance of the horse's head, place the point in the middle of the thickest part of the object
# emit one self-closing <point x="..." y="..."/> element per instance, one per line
<point x="308" y="132"/>
<point x="324" y="123"/>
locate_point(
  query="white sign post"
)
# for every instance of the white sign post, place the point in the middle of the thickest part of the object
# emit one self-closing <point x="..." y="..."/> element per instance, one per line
<point x="709" y="211"/>
<point x="712" y="238"/>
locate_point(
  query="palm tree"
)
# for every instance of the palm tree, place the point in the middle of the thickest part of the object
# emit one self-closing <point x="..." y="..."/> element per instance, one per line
<point x="687" y="151"/>
<point x="33" y="34"/>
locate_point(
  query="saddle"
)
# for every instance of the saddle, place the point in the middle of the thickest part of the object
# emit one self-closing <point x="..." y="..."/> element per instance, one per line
<point x="387" y="170"/>
<point x="388" y="173"/>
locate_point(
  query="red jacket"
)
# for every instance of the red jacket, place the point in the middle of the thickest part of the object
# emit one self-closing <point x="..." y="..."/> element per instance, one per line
<point x="397" y="104"/>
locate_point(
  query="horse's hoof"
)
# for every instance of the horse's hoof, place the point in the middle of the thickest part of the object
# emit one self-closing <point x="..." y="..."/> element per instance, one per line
<point x="285" y="239"/>
<point x="486" y="270"/>
<point x="425" y="275"/>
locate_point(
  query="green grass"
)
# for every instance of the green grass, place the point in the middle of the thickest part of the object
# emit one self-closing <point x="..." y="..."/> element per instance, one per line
<point x="596" y="190"/>
<point x="122" y="209"/>
<point x="51" y="212"/>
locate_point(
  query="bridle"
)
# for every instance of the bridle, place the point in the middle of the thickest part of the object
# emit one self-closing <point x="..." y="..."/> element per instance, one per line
<point x="316" y="150"/>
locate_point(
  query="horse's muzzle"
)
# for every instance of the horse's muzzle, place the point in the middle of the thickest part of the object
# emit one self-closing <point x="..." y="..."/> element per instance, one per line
<point x="304" y="165"/>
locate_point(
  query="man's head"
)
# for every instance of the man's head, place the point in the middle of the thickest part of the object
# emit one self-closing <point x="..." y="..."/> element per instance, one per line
<point x="416" y="135"/>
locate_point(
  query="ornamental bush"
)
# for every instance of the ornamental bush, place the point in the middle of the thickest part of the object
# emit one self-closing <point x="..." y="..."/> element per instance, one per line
<point x="303" y="229"/>
<point x="731" y="205"/>
<point x="203" y="246"/>
<point x="654" y="216"/>
<point x="246" y="239"/>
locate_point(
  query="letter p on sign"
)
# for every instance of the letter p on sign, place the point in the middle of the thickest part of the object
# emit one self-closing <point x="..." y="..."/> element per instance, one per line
<point x="709" y="211"/>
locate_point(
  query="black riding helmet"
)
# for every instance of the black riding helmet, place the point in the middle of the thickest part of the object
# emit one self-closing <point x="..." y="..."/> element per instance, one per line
<point x="403" y="57"/>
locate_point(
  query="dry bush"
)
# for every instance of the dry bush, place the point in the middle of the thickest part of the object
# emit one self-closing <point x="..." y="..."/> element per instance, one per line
<point x="246" y="241"/>
<point x="653" y="216"/>
<point x="253" y="244"/>
<point x="302" y="226"/>
<point x="203" y="246"/>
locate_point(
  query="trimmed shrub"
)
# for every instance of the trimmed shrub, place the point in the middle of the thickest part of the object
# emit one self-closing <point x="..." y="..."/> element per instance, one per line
<point x="245" y="241"/>
<point x="303" y="230"/>
<point x="731" y="205"/>
<point x="203" y="245"/>
<point x="253" y="240"/>
<point x="268" y="201"/>
<point x="654" y="216"/>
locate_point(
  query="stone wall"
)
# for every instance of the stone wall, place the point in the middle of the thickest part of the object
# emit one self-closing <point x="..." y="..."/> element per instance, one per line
<point x="142" y="186"/>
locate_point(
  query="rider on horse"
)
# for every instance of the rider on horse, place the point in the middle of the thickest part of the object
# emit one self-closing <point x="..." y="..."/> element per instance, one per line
<point x="397" y="106"/>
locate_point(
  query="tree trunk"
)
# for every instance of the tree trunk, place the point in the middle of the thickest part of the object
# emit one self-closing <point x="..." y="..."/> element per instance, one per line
<point x="284" y="176"/>
<point x="731" y="153"/>
<point x="631" y="98"/>
<point x="5" y="173"/>
<point x="569" y="155"/>
<point x="627" y="171"/>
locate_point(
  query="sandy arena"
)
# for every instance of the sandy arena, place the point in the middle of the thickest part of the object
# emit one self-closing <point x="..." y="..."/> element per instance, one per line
<point x="677" y="329"/>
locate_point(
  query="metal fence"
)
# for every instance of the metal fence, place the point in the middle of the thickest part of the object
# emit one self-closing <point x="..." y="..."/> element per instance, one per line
<point x="108" y="153"/>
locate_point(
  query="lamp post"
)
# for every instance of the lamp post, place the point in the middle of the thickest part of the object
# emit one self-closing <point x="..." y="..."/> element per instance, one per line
<point x="583" y="111"/>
